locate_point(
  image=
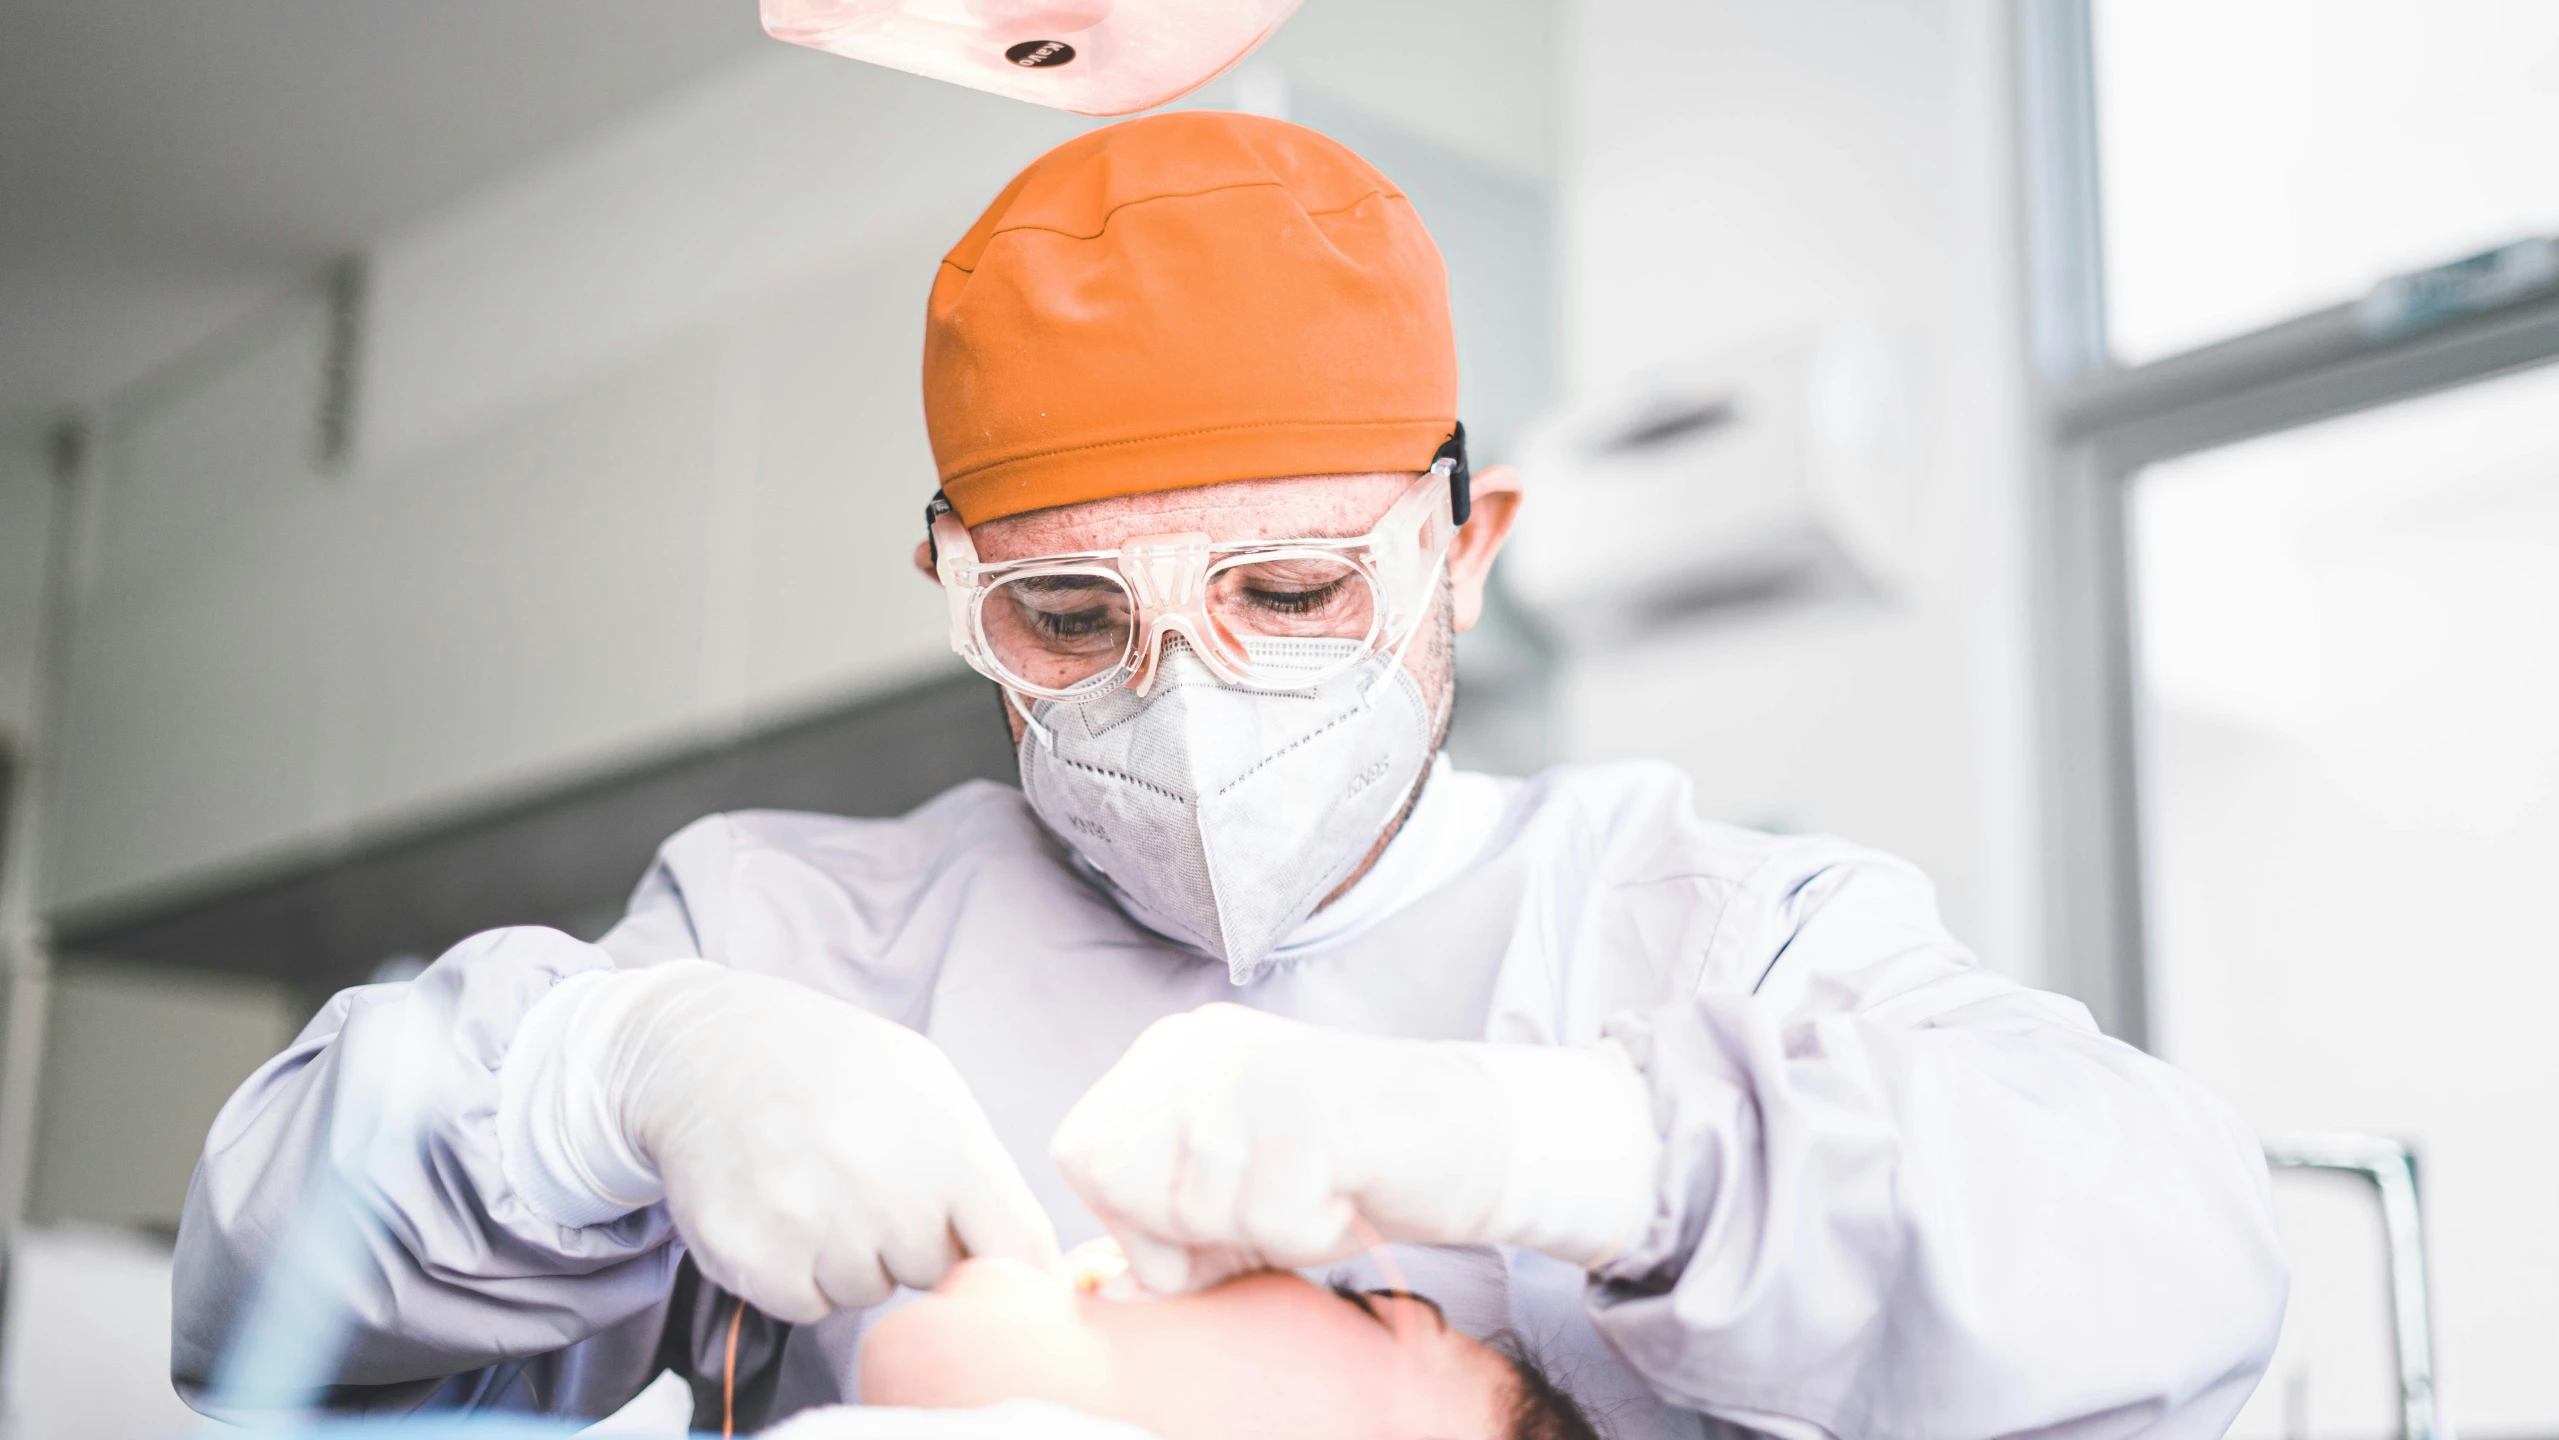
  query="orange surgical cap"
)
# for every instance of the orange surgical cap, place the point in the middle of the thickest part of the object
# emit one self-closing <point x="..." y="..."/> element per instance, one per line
<point x="1182" y="300"/>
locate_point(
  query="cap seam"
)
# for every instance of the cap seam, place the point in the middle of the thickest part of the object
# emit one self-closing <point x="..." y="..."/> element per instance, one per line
<point x="1354" y="204"/>
<point x="1160" y="435"/>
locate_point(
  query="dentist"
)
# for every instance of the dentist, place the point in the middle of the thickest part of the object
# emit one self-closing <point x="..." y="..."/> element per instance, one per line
<point x="1245" y="971"/>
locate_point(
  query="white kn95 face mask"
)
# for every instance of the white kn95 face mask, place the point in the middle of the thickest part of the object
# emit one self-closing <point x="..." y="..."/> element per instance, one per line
<point x="1224" y="816"/>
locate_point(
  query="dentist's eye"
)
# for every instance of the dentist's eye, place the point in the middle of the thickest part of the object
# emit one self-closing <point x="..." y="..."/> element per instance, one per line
<point x="1312" y="595"/>
<point x="1298" y="602"/>
<point x="1037" y="615"/>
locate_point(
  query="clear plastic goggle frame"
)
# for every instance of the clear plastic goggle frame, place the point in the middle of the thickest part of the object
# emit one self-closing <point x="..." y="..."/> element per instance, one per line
<point x="1261" y="614"/>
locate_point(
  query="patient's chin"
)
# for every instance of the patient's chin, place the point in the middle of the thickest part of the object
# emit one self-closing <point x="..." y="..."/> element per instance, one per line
<point x="981" y="1339"/>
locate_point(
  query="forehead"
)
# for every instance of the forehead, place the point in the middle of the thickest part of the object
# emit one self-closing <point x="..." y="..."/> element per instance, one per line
<point x="1288" y="508"/>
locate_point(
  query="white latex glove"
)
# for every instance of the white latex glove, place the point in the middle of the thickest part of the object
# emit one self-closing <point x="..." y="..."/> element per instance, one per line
<point x="1228" y="1140"/>
<point x="1012" y="1420"/>
<point x="814" y="1155"/>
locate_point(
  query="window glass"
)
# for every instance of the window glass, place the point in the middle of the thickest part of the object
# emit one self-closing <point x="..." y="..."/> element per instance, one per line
<point x="2261" y="158"/>
<point x="2348" y="641"/>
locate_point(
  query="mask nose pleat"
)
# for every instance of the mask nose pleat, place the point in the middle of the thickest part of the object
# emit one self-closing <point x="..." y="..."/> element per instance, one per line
<point x="1223" y="816"/>
<point x="1279" y="659"/>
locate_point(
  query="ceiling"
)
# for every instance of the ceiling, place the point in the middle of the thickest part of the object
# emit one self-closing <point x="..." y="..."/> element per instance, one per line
<point x="165" y="165"/>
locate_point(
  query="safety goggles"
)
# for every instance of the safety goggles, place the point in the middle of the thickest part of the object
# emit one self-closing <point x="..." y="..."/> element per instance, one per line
<point x="1261" y="614"/>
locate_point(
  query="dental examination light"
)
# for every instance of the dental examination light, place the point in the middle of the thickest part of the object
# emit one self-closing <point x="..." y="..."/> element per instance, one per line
<point x="1094" y="57"/>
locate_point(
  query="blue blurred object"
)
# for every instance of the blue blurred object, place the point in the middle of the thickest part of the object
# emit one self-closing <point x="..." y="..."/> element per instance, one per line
<point x="288" y="1349"/>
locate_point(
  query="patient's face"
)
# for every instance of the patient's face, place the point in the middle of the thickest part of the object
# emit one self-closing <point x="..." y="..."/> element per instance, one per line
<point x="1262" y="1355"/>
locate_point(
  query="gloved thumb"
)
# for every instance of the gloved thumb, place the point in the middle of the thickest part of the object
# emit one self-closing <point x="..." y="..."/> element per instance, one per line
<point x="1001" y="1218"/>
<point x="1162" y="1266"/>
<point x="1169" y="1267"/>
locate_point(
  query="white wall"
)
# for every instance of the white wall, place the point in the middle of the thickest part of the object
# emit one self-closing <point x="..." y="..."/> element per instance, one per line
<point x="1478" y="76"/>
<point x="136" y="1063"/>
<point x="1739" y="171"/>
<point x="639" y="456"/>
<point x="87" y="1339"/>
<point x="25" y="503"/>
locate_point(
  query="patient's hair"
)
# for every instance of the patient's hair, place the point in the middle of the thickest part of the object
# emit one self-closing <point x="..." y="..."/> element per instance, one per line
<point x="1540" y="1408"/>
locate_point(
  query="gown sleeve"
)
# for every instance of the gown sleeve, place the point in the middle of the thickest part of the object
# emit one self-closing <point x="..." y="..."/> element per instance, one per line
<point x="1903" y="1196"/>
<point x="455" y="1293"/>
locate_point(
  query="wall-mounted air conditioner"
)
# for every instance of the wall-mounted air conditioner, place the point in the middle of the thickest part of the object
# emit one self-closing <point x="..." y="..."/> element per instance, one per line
<point x="1781" y="474"/>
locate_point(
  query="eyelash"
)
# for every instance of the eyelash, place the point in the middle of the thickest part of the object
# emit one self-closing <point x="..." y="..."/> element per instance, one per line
<point x="1361" y="1298"/>
<point x="1297" y="602"/>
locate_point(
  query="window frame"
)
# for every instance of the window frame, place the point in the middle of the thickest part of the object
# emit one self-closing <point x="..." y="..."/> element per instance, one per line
<point x="2098" y="425"/>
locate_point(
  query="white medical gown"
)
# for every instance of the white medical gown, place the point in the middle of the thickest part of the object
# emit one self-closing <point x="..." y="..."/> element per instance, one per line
<point x="1900" y="1195"/>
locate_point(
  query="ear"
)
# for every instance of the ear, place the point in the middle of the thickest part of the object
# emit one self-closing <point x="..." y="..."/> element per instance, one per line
<point x="1470" y="556"/>
<point x="924" y="561"/>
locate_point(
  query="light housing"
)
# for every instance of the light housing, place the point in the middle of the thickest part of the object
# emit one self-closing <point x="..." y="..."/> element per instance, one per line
<point x="1094" y="57"/>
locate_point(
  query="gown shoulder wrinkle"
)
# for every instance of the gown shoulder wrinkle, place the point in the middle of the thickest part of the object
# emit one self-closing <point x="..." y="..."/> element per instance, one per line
<point x="1604" y="814"/>
<point x="972" y="823"/>
<point x="861" y="909"/>
<point x="1833" y="927"/>
<point x="697" y="860"/>
<point x="968" y="817"/>
<point x="1637" y="824"/>
<point x="1693" y="903"/>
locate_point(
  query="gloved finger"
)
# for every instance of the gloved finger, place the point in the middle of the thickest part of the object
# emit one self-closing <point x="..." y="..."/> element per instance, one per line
<point x="1128" y="1096"/>
<point x="759" y="1257"/>
<point x="1162" y="1266"/>
<point x="1004" y="1223"/>
<point x="1119" y="1161"/>
<point x="1146" y="1092"/>
<point x="1207" y="1189"/>
<point x="918" y="1248"/>
<point x="850" y="1274"/>
<point x="1293" y="1213"/>
<point x="994" y="1211"/>
<point x="785" y="1292"/>
<point x="1215" y="1264"/>
<point x="1076" y="1146"/>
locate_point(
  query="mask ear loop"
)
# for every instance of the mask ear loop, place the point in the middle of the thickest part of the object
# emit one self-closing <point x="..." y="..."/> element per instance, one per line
<point x="1013" y="698"/>
<point x="1378" y="1253"/>
<point x="1386" y="677"/>
<point x="1381" y="1255"/>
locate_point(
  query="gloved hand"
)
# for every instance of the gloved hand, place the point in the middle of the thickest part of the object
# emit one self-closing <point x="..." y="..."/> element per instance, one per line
<point x="1228" y="1140"/>
<point x="813" y="1154"/>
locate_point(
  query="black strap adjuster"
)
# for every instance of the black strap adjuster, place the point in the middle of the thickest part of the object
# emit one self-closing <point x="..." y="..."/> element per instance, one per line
<point x="1461" y="481"/>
